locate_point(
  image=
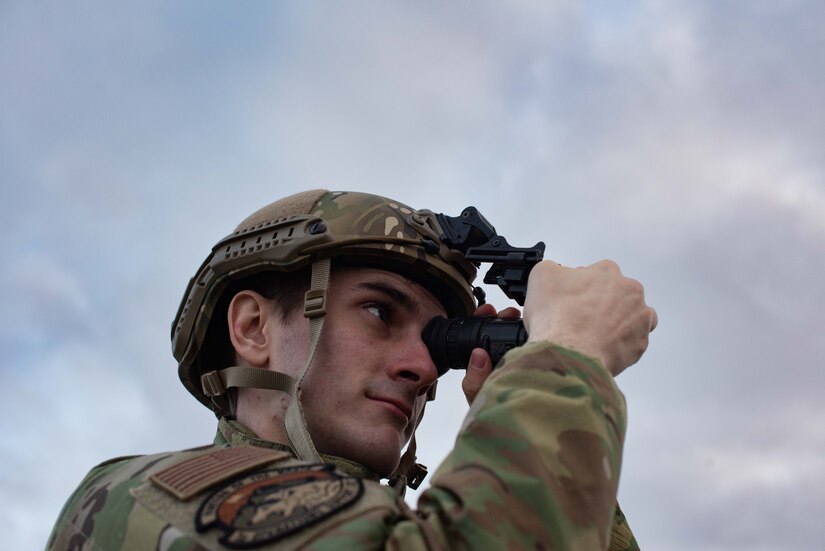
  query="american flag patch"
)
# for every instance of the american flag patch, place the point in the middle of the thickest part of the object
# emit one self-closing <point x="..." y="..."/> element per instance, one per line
<point x="188" y="478"/>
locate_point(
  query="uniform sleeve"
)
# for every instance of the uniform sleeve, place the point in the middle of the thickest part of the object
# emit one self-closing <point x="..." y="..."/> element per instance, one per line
<point x="535" y="466"/>
<point x="621" y="537"/>
<point x="536" y="463"/>
<point x="80" y="524"/>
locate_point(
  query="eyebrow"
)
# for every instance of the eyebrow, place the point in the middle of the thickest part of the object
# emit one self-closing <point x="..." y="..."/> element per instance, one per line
<point x="406" y="301"/>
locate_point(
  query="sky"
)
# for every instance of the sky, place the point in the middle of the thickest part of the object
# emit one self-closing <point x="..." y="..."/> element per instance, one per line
<point x="682" y="139"/>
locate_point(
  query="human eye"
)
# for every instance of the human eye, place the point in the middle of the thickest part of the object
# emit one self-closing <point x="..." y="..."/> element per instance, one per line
<point x="380" y="311"/>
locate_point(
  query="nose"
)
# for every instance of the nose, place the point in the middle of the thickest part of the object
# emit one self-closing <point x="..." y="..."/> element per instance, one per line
<point x="414" y="364"/>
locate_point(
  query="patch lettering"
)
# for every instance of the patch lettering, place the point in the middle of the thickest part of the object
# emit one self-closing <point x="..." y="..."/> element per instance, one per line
<point x="269" y="505"/>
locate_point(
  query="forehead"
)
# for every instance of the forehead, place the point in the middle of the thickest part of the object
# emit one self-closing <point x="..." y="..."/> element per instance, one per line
<point x="359" y="279"/>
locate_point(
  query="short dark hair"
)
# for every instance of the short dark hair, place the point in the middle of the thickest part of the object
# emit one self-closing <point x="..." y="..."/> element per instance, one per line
<point x="285" y="289"/>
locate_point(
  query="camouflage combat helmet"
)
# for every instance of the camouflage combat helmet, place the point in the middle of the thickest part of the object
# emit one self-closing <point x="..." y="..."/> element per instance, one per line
<point x="309" y="229"/>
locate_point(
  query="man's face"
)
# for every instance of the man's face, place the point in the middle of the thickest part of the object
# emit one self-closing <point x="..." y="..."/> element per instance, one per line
<point x="371" y="372"/>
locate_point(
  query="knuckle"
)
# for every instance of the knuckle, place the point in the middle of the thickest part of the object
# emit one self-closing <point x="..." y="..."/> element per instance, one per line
<point x="634" y="286"/>
<point x="608" y="265"/>
<point x="541" y="268"/>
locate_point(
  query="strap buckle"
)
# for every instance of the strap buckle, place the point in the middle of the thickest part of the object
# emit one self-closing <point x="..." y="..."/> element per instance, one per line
<point x="416" y="476"/>
<point x="432" y="390"/>
<point x="315" y="303"/>
<point x="212" y="384"/>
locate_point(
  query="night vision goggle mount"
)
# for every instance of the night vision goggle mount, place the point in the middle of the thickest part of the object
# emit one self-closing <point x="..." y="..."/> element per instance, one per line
<point x="451" y="341"/>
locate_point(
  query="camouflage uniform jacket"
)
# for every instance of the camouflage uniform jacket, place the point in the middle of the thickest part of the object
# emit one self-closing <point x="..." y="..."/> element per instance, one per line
<point x="535" y="466"/>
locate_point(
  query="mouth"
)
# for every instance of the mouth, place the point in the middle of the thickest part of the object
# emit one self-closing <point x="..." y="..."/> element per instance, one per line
<point x="397" y="406"/>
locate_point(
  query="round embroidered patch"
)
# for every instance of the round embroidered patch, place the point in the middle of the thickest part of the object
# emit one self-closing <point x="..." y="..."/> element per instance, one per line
<point x="268" y="505"/>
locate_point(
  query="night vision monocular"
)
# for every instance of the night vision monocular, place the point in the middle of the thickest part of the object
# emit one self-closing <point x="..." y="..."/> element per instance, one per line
<point x="451" y="340"/>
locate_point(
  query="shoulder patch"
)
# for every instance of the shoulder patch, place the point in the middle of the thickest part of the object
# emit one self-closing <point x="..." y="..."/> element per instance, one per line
<point x="188" y="478"/>
<point x="269" y="505"/>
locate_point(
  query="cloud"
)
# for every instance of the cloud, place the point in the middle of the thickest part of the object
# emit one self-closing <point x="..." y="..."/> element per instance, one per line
<point x="45" y="302"/>
<point x="681" y="139"/>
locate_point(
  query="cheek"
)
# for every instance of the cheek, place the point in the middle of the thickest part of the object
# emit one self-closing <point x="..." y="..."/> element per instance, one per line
<point x="291" y="350"/>
<point x="353" y="348"/>
<point x="319" y="387"/>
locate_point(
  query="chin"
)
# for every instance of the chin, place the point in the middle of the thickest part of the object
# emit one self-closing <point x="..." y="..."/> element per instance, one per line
<point x="378" y="448"/>
<point x="385" y="467"/>
<point x="380" y="459"/>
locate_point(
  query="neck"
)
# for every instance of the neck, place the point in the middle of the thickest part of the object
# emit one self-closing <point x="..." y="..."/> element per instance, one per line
<point x="234" y="433"/>
<point x="263" y="412"/>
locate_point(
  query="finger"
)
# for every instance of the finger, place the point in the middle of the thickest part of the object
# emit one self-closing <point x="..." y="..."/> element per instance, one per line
<point x="511" y="312"/>
<point x="478" y="370"/>
<point x="485" y="310"/>
<point x="654" y="319"/>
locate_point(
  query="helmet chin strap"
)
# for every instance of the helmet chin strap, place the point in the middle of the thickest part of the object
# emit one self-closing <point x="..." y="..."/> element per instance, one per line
<point x="408" y="473"/>
<point x="314" y="309"/>
<point x="215" y="383"/>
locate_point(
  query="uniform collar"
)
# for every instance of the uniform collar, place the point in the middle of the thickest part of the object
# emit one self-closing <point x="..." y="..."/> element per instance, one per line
<point x="232" y="433"/>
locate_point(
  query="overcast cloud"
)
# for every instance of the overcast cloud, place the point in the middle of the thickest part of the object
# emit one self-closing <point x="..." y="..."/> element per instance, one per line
<point x="682" y="139"/>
